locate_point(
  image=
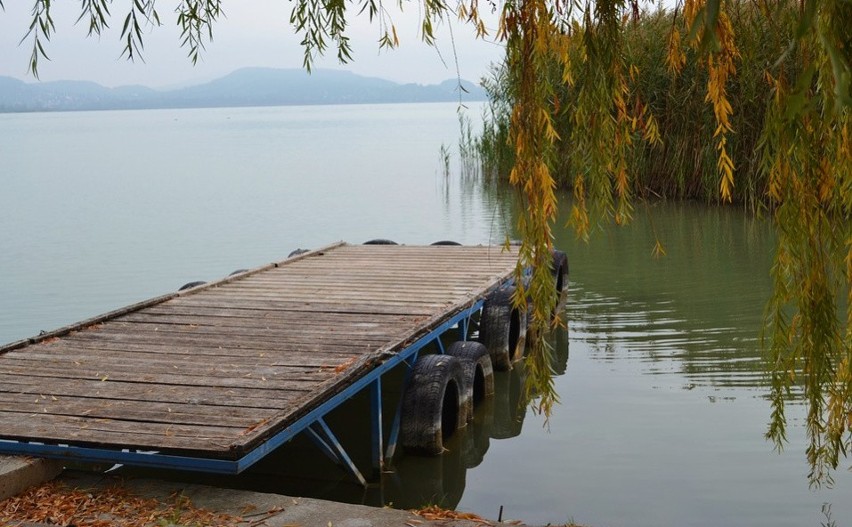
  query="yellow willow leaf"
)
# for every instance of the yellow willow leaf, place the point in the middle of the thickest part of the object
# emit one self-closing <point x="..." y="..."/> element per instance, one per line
<point x="633" y="72"/>
<point x="774" y="189"/>
<point x="849" y="280"/>
<point x="502" y="28"/>
<point x="658" y="250"/>
<point x="652" y="132"/>
<point x="481" y="31"/>
<point x="550" y="132"/>
<point x="567" y="76"/>
<point x="725" y="189"/>
<point x="580" y="222"/>
<point x="621" y="185"/>
<point x="675" y="57"/>
<point x="826" y="184"/>
<point x="724" y="160"/>
<point x="514" y="177"/>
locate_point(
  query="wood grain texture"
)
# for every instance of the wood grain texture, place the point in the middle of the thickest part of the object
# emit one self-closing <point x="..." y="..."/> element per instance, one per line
<point x="216" y="370"/>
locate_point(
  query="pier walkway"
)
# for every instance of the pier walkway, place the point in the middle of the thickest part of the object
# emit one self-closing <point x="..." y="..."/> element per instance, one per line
<point x="215" y="377"/>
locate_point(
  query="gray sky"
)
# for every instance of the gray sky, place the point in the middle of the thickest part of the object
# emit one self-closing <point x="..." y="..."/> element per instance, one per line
<point x="255" y="33"/>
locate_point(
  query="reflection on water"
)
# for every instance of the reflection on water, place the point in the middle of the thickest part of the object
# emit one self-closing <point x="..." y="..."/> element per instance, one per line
<point x="696" y="311"/>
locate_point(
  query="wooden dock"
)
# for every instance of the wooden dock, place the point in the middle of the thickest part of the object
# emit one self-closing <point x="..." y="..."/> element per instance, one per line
<point x="217" y="371"/>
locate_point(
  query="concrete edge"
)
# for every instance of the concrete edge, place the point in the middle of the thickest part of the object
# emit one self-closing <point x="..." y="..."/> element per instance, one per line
<point x="270" y="510"/>
<point x="18" y="473"/>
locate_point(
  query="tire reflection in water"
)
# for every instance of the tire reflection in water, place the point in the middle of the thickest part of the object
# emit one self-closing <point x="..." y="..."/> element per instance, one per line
<point x="414" y="482"/>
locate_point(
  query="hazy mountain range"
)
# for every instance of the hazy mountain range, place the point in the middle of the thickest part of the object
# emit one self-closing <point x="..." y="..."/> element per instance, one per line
<point x="245" y="87"/>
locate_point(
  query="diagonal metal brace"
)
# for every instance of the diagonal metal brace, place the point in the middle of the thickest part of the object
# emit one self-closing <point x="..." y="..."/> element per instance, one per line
<point x="324" y="438"/>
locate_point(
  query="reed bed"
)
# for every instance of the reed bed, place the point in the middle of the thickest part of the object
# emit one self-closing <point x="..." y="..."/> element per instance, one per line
<point x="683" y="164"/>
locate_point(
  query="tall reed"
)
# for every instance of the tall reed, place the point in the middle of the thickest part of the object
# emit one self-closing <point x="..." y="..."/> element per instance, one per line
<point x="683" y="164"/>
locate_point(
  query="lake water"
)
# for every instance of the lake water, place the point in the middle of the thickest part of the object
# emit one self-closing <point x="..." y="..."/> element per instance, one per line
<point x="663" y="397"/>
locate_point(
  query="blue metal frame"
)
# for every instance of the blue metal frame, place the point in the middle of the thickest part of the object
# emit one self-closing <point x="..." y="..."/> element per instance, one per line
<point x="328" y="444"/>
<point x="376" y="426"/>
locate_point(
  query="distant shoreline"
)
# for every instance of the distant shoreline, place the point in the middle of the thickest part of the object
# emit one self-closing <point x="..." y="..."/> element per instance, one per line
<point x="249" y="87"/>
<point x="456" y="101"/>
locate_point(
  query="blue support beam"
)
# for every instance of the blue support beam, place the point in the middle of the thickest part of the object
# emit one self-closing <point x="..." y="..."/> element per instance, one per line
<point x="323" y="445"/>
<point x="120" y="457"/>
<point x="321" y="428"/>
<point x="377" y="442"/>
<point x="393" y="437"/>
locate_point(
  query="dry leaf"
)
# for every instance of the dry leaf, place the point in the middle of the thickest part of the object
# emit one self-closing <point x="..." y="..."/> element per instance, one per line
<point x="433" y="513"/>
<point x="55" y="503"/>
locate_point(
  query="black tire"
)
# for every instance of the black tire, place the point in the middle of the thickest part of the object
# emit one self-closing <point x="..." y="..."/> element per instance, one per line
<point x="446" y="242"/>
<point x="431" y="404"/>
<point x="559" y="270"/>
<point x="190" y="285"/>
<point x="478" y="373"/>
<point x="503" y="328"/>
<point x="380" y="241"/>
<point x="297" y="252"/>
<point x="238" y="271"/>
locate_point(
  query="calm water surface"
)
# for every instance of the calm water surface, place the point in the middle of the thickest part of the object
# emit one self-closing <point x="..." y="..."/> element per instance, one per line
<point x="660" y="375"/>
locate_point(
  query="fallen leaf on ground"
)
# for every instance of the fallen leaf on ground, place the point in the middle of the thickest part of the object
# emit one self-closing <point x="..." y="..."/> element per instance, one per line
<point x="55" y="503"/>
<point x="433" y="512"/>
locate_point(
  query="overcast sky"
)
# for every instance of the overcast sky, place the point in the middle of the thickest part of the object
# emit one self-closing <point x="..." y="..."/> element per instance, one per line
<point x="255" y="33"/>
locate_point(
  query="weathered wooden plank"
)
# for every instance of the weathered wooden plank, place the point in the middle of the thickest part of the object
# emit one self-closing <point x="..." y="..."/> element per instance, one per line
<point x="302" y="342"/>
<point x="228" y="328"/>
<point x="154" y="392"/>
<point x="315" y="305"/>
<point x="245" y="381"/>
<point x="409" y="282"/>
<point x="327" y="297"/>
<point x="169" y="413"/>
<point x="106" y="367"/>
<point x="383" y="295"/>
<point x="228" y="317"/>
<point x="138" y="360"/>
<point x="294" y="356"/>
<point x="368" y="277"/>
<point x="117" y="433"/>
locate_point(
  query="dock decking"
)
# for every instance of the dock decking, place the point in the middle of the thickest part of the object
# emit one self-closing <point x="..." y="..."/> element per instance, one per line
<point x="214" y="372"/>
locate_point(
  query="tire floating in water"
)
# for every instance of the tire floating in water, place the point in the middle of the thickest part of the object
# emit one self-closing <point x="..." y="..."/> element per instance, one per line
<point x="431" y="404"/>
<point x="445" y="242"/>
<point x="478" y="373"/>
<point x="190" y="285"/>
<point x="380" y="241"/>
<point x="297" y="252"/>
<point x="503" y="328"/>
<point x="238" y="271"/>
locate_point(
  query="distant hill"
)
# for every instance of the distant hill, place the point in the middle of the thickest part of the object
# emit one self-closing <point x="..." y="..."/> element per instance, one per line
<point x="244" y="87"/>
